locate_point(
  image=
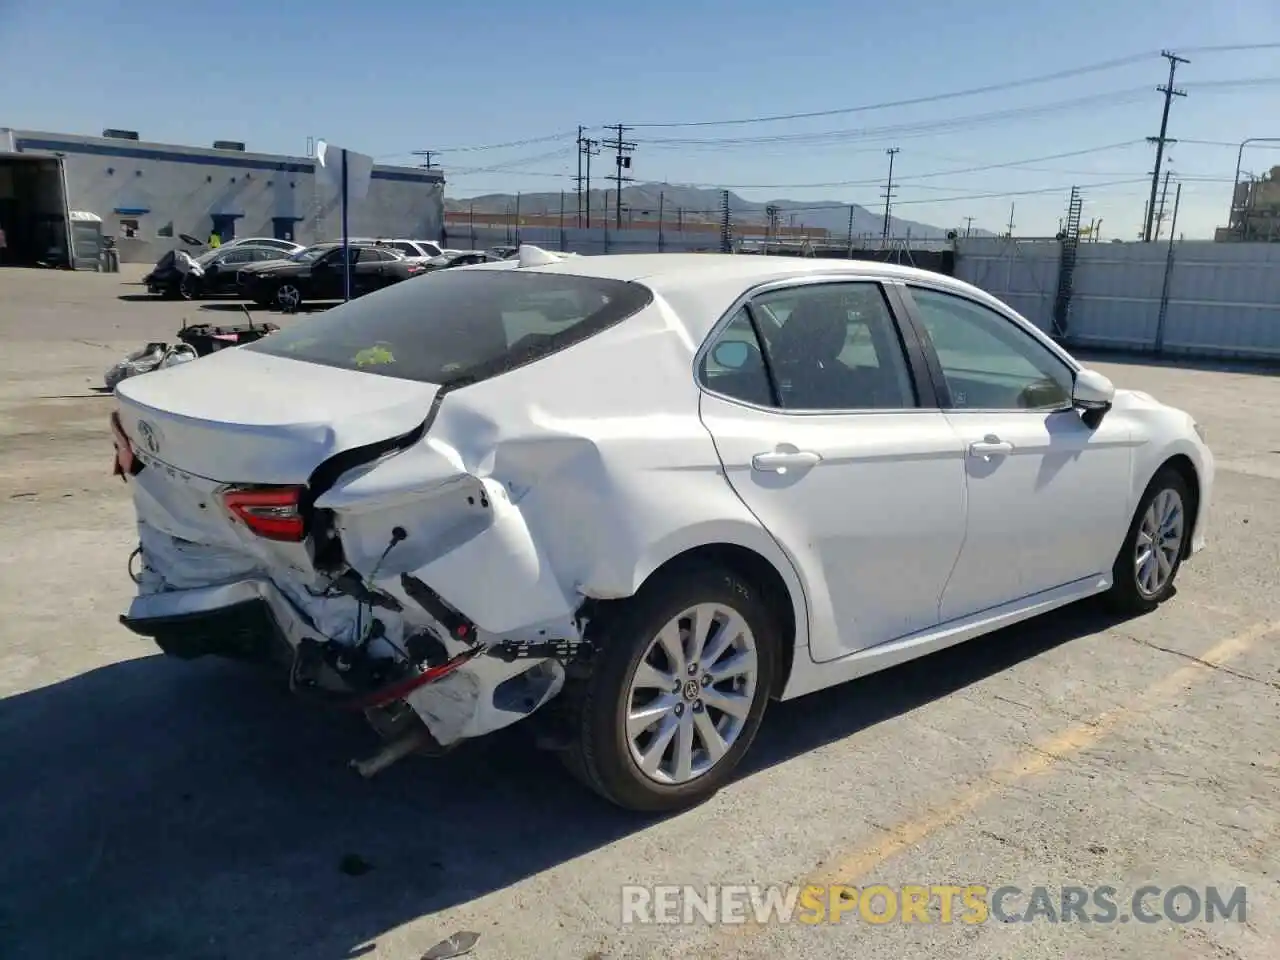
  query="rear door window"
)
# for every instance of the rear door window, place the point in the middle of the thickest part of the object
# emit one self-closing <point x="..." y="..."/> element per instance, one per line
<point x="459" y="325"/>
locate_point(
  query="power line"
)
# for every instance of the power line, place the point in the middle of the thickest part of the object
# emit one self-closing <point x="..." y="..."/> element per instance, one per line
<point x="1234" y="48"/>
<point x="911" y="101"/>
<point x="955" y="94"/>
<point x="999" y="195"/>
<point x="925" y="127"/>
<point x="1198" y="85"/>
<point x="1169" y="92"/>
<point x="922" y="176"/>
<point x="548" y="138"/>
<point x="510" y="165"/>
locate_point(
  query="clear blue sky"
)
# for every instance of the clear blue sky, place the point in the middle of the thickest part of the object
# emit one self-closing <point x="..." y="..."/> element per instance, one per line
<point x="391" y="78"/>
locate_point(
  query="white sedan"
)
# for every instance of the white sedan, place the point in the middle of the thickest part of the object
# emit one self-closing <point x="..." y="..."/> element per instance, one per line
<point x="641" y="496"/>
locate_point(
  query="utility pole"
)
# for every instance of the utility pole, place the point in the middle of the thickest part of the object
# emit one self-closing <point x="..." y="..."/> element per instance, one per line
<point x="1164" y="195"/>
<point x="726" y="223"/>
<point x="622" y="161"/>
<point x="1169" y="92"/>
<point x="771" y="229"/>
<point x="888" y="193"/>
<point x="1010" y="233"/>
<point x="578" y="179"/>
<point x="849" y="239"/>
<point x="587" y="148"/>
<point x="968" y="225"/>
<point x="426" y="157"/>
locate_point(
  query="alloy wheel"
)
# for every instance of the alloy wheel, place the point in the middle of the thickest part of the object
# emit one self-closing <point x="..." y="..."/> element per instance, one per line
<point x="288" y="296"/>
<point x="1159" y="542"/>
<point x="691" y="693"/>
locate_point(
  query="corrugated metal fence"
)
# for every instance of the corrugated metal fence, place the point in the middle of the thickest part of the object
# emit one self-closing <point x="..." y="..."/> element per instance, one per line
<point x="1197" y="298"/>
<point x="596" y="240"/>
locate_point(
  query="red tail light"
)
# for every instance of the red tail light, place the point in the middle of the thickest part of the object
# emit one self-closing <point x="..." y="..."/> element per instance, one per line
<point x="270" y="512"/>
<point x="125" y="462"/>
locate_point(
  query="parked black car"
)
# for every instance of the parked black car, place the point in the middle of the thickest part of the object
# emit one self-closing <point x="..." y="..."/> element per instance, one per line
<point x="218" y="268"/>
<point x="316" y="273"/>
<point x="461" y="258"/>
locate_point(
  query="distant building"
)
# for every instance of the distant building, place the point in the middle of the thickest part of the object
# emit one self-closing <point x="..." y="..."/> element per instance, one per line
<point x="1255" y="210"/>
<point x="149" y="194"/>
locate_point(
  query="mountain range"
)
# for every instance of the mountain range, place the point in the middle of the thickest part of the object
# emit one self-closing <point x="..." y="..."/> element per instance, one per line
<point x="703" y="205"/>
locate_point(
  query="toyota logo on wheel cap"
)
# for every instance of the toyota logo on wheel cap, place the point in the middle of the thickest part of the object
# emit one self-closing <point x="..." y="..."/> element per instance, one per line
<point x="150" y="439"/>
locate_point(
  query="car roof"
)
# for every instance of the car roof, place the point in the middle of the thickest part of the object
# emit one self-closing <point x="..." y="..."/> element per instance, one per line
<point x="701" y="286"/>
<point x="673" y="269"/>
<point x="670" y="272"/>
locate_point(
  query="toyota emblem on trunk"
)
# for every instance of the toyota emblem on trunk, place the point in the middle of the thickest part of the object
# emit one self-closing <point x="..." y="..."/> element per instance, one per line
<point x="147" y="433"/>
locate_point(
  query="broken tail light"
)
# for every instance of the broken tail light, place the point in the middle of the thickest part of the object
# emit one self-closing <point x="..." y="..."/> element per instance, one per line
<point x="126" y="463"/>
<point x="273" y="513"/>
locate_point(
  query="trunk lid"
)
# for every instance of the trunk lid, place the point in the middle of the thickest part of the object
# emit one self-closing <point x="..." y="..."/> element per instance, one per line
<point x="243" y="417"/>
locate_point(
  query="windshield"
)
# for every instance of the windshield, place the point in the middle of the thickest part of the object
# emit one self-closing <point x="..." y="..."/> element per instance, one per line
<point x="459" y="325"/>
<point x="310" y="253"/>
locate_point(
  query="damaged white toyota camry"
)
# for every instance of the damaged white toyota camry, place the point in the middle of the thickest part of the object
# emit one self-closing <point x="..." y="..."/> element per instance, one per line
<point x="639" y="496"/>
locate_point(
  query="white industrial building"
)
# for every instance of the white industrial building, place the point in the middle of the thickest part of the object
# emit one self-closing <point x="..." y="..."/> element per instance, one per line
<point x="149" y="194"/>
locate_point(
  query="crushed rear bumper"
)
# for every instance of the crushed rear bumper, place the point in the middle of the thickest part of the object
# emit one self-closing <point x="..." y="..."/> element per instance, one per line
<point x="251" y="619"/>
<point x="245" y="630"/>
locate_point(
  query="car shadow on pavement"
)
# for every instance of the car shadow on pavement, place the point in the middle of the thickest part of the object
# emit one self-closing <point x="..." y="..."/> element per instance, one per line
<point x="140" y="297"/>
<point x="156" y="808"/>
<point x="238" y="307"/>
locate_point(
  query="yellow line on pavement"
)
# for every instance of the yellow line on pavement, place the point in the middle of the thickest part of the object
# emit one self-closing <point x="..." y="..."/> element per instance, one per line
<point x="1038" y="759"/>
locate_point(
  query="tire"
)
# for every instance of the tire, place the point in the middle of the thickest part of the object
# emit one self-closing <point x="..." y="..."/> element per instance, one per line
<point x="287" y="297"/>
<point x="189" y="287"/>
<point x="1165" y="509"/>
<point x="601" y="752"/>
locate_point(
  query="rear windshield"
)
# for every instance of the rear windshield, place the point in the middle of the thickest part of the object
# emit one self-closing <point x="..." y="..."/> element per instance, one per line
<point x="456" y="326"/>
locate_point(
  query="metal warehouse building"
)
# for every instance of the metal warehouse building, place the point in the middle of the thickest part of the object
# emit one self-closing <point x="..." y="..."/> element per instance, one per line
<point x="149" y="194"/>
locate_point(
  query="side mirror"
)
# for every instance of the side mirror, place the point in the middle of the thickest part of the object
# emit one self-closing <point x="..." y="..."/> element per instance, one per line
<point x="731" y="354"/>
<point x="1092" y="395"/>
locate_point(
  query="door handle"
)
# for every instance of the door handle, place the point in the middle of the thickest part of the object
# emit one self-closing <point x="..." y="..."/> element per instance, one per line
<point x="778" y="461"/>
<point x="990" y="446"/>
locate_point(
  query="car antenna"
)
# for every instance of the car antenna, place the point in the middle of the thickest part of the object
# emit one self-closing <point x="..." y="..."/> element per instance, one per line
<point x="247" y="315"/>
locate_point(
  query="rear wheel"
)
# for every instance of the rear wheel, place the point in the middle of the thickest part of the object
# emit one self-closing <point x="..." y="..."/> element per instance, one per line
<point x="1149" y="560"/>
<point x="679" y="687"/>
<point x="288" y="297"/>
